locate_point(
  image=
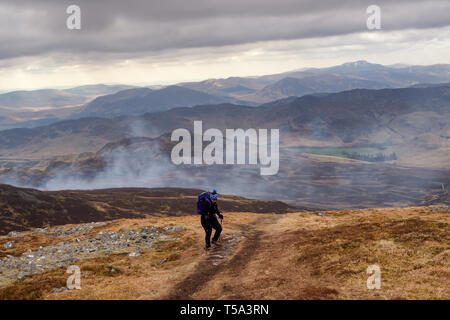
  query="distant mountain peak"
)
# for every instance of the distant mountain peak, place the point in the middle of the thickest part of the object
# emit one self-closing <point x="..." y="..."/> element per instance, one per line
<point x="358" y="63"/>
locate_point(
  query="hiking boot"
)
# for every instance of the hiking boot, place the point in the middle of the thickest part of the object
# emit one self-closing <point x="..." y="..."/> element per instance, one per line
<point x="216" y="242"/>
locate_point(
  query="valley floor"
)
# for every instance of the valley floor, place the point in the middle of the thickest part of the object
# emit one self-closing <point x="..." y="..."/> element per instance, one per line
<point x="268" y="256"/>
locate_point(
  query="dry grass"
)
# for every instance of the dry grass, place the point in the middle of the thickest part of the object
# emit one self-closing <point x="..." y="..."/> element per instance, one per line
<point x="290" y="256"/>
<point x="34" y="288"/>
<point x="143" y="277"/>
<point x="305" y="256"/>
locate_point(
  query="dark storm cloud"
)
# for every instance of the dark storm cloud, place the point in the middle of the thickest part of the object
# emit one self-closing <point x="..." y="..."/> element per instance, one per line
<point x="133" y="27"/>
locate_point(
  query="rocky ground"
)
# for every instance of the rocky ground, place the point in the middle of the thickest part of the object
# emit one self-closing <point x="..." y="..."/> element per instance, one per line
<point x="91" y="245"/>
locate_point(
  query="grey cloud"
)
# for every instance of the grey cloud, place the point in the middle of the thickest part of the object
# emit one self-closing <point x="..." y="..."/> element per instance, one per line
<point x="33" y="28"/>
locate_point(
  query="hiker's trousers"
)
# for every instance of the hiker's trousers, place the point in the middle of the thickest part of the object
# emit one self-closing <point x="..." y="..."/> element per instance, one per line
<point x="210" y="222"/>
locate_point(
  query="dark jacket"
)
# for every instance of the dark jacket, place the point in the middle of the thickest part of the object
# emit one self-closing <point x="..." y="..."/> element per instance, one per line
<point x="210" y="209"/>
<point x="215" y="210"/>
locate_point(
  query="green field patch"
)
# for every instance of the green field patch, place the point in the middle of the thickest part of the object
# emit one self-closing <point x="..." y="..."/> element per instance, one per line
<point x="361" y="153"/>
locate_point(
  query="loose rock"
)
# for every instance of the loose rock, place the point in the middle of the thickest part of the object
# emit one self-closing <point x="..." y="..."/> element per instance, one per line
<point x="14" y="234"/>
<point x="67" y="253"/>
<point x="8" y="245"/>
<point x="177" y="228"/>
<point x="58" y="290"/>
<point x="134" y="254"/>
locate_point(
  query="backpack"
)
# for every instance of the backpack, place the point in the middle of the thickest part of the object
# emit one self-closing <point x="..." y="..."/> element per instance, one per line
<point x="202" y="199"/>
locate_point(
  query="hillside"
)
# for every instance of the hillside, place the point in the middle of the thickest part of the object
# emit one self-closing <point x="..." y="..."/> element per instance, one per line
<point x="142" y="100"/>
<point x="41" y="98"/>
<point x="33" y="108"/>
<point x="313" y="177"/>
<point x="40" y="107"/>
<point x="56" y="98"/>
<point x="285" y="256"/>
<point x="63" y="137"/>
<point x="413" y="119"/>
<point x="290" y="86"/>
<point x="22" y="209"/>
<point x="353" y="149"/>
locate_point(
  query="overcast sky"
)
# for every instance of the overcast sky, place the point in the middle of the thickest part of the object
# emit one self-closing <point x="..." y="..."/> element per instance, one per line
<point x="167" y="41"/>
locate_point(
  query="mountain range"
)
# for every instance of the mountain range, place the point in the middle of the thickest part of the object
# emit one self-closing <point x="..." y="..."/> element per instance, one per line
<point x="352" y="75"/>
<point x="349" y="137"/>
<point x="384" y="117"/>
<point x="326" y="143"/>
<point x="40" y="107"/>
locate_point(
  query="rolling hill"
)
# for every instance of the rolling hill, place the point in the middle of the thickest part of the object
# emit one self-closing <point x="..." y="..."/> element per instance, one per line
<point x="23" y="209"/>
<point x="56" y="98"/>
<point x="40" y="99"/>
<point x="331" y="82"/>
<point x="387" y="117"/>
<point x="27" y="109"/>
<point x="143" y="100"/>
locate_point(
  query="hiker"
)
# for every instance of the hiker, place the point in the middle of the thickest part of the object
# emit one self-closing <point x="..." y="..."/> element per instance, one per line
<point x="207" y="208"/>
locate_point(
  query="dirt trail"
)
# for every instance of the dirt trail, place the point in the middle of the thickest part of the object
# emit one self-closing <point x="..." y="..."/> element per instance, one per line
<point x="233" y="254"/>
